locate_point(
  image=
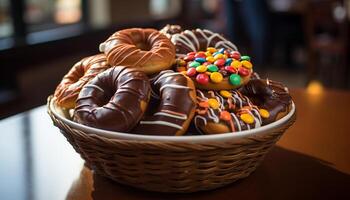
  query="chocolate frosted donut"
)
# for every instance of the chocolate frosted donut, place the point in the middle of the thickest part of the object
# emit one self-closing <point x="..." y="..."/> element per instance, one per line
<point x="195" y="40"/>
<point x="147" y="49"/>
<point x="83" y="71"/>
<point x="114" y="100"/>
<point x="174" y="101"/>
<point x="270" y="95"/>
<point x="225" y="111"/>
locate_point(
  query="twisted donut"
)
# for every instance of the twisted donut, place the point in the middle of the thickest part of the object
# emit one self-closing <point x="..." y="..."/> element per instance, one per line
<point x="82" y="72"/>
<point x="174" y="101"/>
<point x="147" y="49"/>
<point x="114" y="100"/>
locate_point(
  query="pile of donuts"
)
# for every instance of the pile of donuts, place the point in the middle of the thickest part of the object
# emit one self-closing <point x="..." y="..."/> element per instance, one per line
<point x="170" y="82"/>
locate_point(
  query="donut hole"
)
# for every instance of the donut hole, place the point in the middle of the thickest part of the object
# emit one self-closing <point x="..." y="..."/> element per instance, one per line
<point x="143" y="46"/>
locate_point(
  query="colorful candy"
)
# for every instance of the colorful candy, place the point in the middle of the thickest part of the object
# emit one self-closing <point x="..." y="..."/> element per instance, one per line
<point x="247" y="118"/>
<point x="264" y="113"/>
<point x="224" y="115"/>
<point x="202" y="79"/>
<point x="225" y="93"/>
<point x="235" y="79"/>
<point x="214" y="65"/>
<point x="213" y="103"/>
<point x="216" y="77"/>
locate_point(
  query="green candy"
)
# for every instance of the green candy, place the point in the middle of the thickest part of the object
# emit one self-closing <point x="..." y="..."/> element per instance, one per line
<point x="245" y="58"/>
<point x="213" y="68"/>
<point x="235" y="79"/>
<point x="194" y="64"/>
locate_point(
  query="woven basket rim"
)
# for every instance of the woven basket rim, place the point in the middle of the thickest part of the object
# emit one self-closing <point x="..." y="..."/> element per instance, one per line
<point x="193" y="139"/>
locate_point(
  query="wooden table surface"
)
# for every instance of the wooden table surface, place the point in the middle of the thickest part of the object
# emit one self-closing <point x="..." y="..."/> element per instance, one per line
<point x="311" y="161"/>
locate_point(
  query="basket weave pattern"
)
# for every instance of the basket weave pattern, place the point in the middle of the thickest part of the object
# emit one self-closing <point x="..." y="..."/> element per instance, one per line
<point x="171" y="166"/>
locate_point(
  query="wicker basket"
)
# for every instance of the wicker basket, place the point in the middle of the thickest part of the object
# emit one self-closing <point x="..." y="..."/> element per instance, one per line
<point x="168" y="163"/>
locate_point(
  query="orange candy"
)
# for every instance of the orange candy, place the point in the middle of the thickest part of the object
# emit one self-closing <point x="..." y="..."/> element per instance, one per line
<point x="224" y="115"/>
<point x="203" y="104"/>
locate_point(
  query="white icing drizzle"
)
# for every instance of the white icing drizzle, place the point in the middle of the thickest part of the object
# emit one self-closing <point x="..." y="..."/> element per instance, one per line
<point x="173" y="86"/>
<point x="237" y="121"/>
<point x="94" y="86"/>
<point x="195" y="122"/>
<point x="183" y="116"/>
<point x="212" y="115"/>
<point x="163" y="123"/>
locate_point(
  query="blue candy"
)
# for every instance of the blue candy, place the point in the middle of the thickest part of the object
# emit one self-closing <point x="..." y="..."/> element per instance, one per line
<point x="200" y="60"/>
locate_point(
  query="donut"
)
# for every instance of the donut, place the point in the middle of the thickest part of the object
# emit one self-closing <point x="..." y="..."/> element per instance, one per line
<point x="173" y="105"/>
<point x="83" y="71"/>
<point x="195" y="40"/>
<point x="114" y="100"/>
<point x="225" y="111"/>
<point x="214" y="69"/>
<point x="270" y="95"/>
<point x="147" y="49"/>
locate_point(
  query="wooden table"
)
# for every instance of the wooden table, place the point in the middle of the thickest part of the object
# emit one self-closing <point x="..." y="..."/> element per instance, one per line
<point x="311" y="161"/>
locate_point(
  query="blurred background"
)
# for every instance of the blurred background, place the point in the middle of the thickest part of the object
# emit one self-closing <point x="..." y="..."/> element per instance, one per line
<point x="303" y="43"/>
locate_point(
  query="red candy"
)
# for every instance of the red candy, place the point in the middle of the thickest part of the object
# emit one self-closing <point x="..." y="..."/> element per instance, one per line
<point x="191" y="54"/>
<point x="243" y="71"/>
<point x="191" y="71"/>
<point x="236" y="55"/>
<point x="202" y="79"/>
<point x="200" y="55"/>
<point x="189" y="58"/>
<point x="206" y="63"/>
<point x="230" y="69"/>
<point x="220" y="62"/>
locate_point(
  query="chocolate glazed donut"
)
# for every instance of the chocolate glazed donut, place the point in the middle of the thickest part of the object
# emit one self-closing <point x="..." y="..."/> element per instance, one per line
<point x="114" y="100"/>
<point x="270" y="95"/>
<point x="176" y="93"/>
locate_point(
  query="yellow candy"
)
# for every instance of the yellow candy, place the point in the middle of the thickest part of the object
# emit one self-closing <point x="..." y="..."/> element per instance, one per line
<point x="225" y="93"/>
<point x="201" y="68"/>
<point x="207" y="53"/>
<point x="236" y="64"/>
<point x="213" y="103"/>
<point x="225" y="56"/>
<point x="216" y="77"/>
<point x="247" y="64"/>
<point x="218" y="56"/>
<point x="211" y="49"/>
<point x="247" y="118"/>
<point x="210" y="59"/>
<point x="264" y="113"/>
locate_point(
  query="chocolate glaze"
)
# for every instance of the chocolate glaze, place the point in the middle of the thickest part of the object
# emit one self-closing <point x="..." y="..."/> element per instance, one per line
<point x="172" y="107"/>
<point x="114" y="100"/>
<point x="270" y="95"/>
<point x="235" y="105"/>
<point x="195" y="40"/>
<point x="136" y="47"/>
<point x="83" y="71"/>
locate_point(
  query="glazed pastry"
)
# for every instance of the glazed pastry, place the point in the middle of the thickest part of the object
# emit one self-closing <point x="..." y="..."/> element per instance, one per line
<point x="195" y="40"/>
<point x="269" y="95"/>
<point x="225" y="111"/>
<point x="174" y="102"/>
<point x="147" y="49"/>
<point x="216" y="69"/>
<point x="114" y="100"/>
<point x="83" y="71"/>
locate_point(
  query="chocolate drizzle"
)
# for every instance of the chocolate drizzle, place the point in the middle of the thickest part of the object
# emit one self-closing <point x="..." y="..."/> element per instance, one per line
<point x="147" y="49"/>
<point x="173" y="96"/>
<point x="114" y="100"/>
<point x="83" y="71"/>
<point x="195" y="40"/>
<point x="270" y="95"/>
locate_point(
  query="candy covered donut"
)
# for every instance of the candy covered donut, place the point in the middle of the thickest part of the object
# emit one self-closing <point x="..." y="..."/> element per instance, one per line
<point x="195" y="40"/>
<point x="83" y="71"/>
<point x="225" y="111"/>
<point x="172" y="106"/>
<point x="147" y="49"/>
<point x="114" y="100"/>
<point x="216" y="69"/>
